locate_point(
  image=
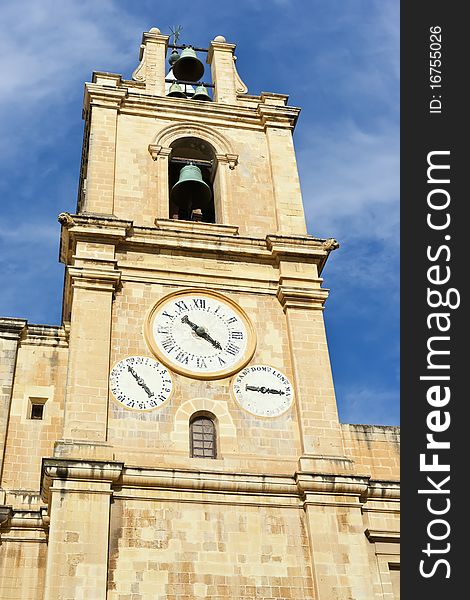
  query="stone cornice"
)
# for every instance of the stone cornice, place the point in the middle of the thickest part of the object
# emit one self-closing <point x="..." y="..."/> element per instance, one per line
<point x="301" y="485"/>
<point x="214" y="481"/>
<point x="23" y="519"/>
<point x="178" y="109"/>
<point x="83" y="227"/>
<point x="106" y="97"/>
<point x="11" y="328"/>
<point x="45" y="335"/>
<point x="298" y="296"/>
<point x="5" y="515"/>
<point x="266" y="110"/>
<point x="188" y="239"/>
<point x="93" y="470"/>
<point x="344" y="485"/>
<point x="278" y="116"/>
<point x="92" y="223"/>
<point x="192" y="237"/>
<point x="383" y="490"/>
<point x="196" y="227"/>
<point x="301" y="247"/>
<point x="99" y="279"/>
<point x="376" y="535"/>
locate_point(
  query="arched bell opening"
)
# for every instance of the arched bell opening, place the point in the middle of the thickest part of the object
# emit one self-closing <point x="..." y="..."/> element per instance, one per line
<point x="192" y="170"/>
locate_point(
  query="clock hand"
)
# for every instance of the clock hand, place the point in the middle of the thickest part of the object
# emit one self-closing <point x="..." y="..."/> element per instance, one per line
<point x="201" y="332"/>
<point x="193" y="326"/>
<point x="264" y="390"/>
<point x="207" y="337"/>
<point x="140" y="381"/>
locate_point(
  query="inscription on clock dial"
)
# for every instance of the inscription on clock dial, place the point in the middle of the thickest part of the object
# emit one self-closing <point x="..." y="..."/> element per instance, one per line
<point x="140" y="383"/>
<point x="200" y="334"/>
<point x="263" y="391"/>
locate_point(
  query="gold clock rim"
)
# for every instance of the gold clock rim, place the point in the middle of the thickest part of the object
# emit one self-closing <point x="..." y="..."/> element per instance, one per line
<point x="141" y="410"/>
<point x="232" y="393"/>
<point x="212" y="375"/>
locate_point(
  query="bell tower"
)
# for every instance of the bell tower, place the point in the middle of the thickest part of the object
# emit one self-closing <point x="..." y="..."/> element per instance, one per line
<point x="197" y="451"/>
<point x="151" y="160"/>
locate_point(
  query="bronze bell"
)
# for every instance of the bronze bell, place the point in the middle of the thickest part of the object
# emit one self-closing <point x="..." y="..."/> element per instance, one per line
<point x="201" y="94"/>
<point x="188" y="67"/>
<point x="174" y="56"/>
<point x="191" y="191"/>
<point x="175" y="91"/>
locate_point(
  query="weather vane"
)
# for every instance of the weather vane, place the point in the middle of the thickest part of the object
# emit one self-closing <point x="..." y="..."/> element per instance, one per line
<point x="176" y="31"/>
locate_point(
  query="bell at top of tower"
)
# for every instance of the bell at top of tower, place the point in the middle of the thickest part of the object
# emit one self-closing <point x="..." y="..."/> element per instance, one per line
<point x="220" y="83"/>
<point x="183" y="142"/>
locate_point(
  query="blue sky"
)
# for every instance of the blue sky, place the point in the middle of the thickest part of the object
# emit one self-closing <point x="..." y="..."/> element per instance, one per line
<point x="337" y="59"/>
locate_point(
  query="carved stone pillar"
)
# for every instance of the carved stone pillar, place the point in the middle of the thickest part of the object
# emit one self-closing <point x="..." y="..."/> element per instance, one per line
<point x="86" y="402"/>
<point x="79" y="496"/>
<point x="159" y="180"/>
<point x="220" y="58"/>
<point x="10" y="331"/>
<point x="279" y="121"/>
<point x="335" y="529"/>
<point x="101" y="108"/>
<point x="152" y="68"/>
<point x="302" y="299"/>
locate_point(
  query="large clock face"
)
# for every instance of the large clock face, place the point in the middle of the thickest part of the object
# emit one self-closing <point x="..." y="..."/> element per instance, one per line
<point x="140" y="383"/>
<point x="263" y="391"/>
<point x="200" y="334"/>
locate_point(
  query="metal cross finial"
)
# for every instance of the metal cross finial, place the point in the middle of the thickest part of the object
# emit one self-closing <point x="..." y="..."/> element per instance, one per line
<point x="176" y="31"/>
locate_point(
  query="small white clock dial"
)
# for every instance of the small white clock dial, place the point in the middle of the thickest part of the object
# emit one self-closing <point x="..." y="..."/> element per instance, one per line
<point x="263" y="391"/>
<point x="140" y="383"/>
<point x="201" y="334"/>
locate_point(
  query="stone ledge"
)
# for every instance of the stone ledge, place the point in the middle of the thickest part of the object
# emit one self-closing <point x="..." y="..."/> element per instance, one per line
<point x="376" y="535"/>
<point x="301" y="485"/>
<point x="194" y="227"/>
<point x="11" y="327"/>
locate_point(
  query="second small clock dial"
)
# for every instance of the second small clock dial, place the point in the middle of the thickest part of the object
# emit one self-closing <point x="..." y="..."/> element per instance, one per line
<point x="263" y="391"/>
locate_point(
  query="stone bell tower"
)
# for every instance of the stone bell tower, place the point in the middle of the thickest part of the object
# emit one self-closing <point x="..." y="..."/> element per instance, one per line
<point x="178" y="436"/>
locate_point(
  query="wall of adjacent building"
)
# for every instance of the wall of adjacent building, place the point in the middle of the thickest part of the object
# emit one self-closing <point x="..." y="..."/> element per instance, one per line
<point x="375" y="449"/>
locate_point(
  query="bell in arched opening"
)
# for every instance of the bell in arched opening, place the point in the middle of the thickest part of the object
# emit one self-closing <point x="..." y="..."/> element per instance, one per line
<point x="188" y="67"/>
<point x="191" y="192"/>
<point x="201" y="94"/>
<point x="200" y="156"/>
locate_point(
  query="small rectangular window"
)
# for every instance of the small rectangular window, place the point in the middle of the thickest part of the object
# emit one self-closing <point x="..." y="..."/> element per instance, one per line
<point x="36" y="409"/>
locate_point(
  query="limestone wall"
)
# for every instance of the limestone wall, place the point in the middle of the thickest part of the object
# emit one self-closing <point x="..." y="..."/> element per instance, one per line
<point x="22" y="568"/>
<point x="207" y="549"/>
<point x="375" y="449"/>
<point x="162" y="435"/>
<point x="40" y="375"/>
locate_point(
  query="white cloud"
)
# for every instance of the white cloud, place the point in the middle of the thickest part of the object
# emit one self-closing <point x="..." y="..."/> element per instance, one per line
<point x="45" y="43"/>
<point x="47" y="50"/>
<point x="350" y="182"/>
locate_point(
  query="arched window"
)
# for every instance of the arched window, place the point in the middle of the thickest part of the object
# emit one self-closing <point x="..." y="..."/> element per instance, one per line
<point x="203" y="436"/>
<point x="197" y="152"/>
